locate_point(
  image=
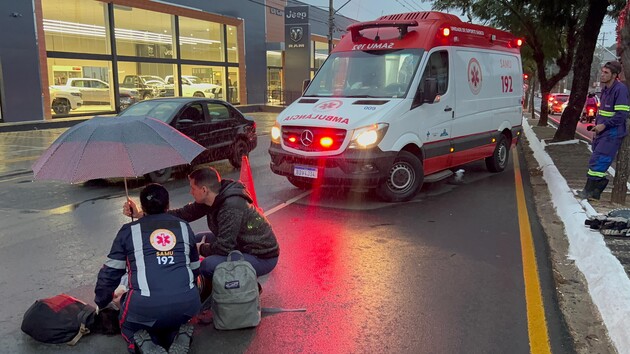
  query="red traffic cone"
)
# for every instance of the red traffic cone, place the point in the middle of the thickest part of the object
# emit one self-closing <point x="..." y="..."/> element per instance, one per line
<point x="247" y="179"/>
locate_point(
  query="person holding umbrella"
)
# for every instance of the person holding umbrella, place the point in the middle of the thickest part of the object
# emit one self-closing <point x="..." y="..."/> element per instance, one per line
<point x="234" y="222"/>
<point x="162" y="261"/>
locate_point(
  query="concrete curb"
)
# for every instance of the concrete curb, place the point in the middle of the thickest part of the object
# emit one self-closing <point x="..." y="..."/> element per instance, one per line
<point x="38" y="125"/>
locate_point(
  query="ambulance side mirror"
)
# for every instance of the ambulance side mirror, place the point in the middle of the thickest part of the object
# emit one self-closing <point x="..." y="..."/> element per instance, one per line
<point x="305" y="84"/>
<point x="427" y="94"/>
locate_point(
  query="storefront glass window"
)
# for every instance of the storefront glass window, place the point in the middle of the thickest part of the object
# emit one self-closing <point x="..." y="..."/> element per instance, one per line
<point x="274" y="58"/>
<point x="232" y="44"/>
<point x="274" y="77"/>
<point x="321" y="53"/>
<point x="143" y="33"/>
<point x="232" y="86"/>
<point x="148" y="79"/>
<point x="80" y="86"/>
<point x="200" y="40"/>
<point x="76" y="26"/>
<point x="202" y="81"/>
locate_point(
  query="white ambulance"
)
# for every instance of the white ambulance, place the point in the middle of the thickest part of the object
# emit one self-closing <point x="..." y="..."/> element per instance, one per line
<point x="401" y="101"/>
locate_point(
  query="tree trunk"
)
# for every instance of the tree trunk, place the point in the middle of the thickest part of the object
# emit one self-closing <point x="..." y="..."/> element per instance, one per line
<point x="620" y="183"/>
<point x="582" y="70"/>
<point x="531" y="103"/>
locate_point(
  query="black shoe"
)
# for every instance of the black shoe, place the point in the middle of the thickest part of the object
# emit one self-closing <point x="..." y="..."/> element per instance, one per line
<point x="145" y="345"/>
<point x="599" y="188"/>
<point x="181" y="343"/>
<point x="587" y="192"/>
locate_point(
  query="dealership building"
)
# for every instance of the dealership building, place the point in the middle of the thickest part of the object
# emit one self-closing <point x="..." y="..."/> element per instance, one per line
<point x="64" y="58"/>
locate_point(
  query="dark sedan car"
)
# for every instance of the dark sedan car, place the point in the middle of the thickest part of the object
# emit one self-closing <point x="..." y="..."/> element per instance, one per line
<point x="224" y="131"/>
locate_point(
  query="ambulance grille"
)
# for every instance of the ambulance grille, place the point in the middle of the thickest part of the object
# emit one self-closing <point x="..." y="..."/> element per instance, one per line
<point x="311" y="136"/>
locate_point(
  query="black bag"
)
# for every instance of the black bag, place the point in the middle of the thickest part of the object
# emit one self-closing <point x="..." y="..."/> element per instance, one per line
<point x="58" y="319"/>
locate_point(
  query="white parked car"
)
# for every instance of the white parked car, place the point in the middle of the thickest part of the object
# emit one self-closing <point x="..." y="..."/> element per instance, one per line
<point x="193" y="87"/>
<point x="63" y="100"/>
<point x="94" y="91"/>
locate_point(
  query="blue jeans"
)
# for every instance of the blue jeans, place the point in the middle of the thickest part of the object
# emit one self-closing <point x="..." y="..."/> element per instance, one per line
<point x="261" y="265"/>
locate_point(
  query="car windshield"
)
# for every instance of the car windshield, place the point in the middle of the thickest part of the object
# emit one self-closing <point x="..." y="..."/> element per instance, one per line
<point x="162" y="110"/>
<point x="194" y="80"/>
<point x="378" y="74"/>
<point x="148" y="78"/>
<point x="562" y="98"/>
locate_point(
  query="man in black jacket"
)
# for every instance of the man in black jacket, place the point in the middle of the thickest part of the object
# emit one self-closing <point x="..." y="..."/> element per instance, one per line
<point x="234" y="222"/>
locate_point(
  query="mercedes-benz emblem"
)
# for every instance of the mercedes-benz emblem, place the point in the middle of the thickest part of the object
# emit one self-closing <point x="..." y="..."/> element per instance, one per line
<point x="307" y="137"/>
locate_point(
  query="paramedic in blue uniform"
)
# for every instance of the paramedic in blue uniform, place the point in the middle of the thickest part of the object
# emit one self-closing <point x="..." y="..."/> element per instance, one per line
<point x="161" y="256"/>
<point x="609" y="129"/>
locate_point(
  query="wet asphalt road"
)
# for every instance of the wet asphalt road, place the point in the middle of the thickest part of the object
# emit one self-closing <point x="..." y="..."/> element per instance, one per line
<point x="440" y="274"/>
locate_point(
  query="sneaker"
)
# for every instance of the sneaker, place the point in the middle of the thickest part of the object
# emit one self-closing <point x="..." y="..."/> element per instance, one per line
<point x="181" y="343"/>
<point x="145" y="345"/>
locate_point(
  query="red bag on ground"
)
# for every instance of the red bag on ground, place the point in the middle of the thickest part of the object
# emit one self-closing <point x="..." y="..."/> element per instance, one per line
<point x="59" y="319"/>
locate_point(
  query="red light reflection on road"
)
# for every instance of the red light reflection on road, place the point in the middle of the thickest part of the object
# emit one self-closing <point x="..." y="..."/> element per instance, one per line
<point x="315" y="272"/>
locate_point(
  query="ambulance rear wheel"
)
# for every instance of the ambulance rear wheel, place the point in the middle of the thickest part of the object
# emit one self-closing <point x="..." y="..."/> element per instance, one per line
<point x="499" y="158"/>
<point x="404" y="179"/>
<point x="300" y="183"/>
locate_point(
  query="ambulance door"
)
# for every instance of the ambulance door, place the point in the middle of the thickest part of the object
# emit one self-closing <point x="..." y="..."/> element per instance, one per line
<point x="436" y="117"/>
<point x="476" y="85"/>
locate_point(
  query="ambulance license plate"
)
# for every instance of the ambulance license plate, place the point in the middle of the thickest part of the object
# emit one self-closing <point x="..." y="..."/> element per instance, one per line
<point x="304" y="171"/>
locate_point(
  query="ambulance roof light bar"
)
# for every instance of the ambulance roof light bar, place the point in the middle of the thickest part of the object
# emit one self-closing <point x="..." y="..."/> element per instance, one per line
<point x="403" y="27"/>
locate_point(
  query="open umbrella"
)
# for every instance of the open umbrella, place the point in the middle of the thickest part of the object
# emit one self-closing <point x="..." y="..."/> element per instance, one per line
<point x="105" y="147"/>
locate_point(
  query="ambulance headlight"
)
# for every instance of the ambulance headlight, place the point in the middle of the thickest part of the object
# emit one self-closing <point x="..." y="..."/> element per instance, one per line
<point x="275" y="133"/>
<point x="369" y="136"/>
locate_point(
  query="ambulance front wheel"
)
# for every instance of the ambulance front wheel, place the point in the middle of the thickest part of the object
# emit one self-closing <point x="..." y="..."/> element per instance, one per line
<point x="404" y="179"/>
<point x="499" y="158"/>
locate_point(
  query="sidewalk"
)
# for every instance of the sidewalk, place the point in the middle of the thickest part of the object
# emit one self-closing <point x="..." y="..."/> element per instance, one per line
<point x="603" y="261"/>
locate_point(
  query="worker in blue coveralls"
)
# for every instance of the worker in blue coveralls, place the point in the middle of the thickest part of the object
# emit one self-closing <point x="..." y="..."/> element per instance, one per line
<point x="160" y="255"/>
<point x="609" y="129"/>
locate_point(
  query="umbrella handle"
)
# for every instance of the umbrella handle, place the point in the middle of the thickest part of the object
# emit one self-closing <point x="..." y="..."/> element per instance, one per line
<point x="127" y="194"/>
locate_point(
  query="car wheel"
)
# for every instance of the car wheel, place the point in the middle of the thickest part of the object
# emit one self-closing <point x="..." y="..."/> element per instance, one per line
<point x="404" y="179"/>
<point x="239" y="150"/>
<point x="301" y="184"/>
<point x="198" y="94"/>
<point x="499" y="158"/>
<point x="160" y="176"/>
<point x="61" y="106"/>
<point x="147" y="96"/>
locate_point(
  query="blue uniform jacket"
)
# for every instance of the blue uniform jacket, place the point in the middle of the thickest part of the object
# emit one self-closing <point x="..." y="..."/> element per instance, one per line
<point x="613" y="110"/>
<point x="160" y="254"/>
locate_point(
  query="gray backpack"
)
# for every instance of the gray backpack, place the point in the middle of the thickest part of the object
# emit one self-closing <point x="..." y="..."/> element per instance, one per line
<point x="235" y="298"/>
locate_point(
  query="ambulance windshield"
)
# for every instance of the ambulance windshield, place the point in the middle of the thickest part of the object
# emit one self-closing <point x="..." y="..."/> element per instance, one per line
<point x="373" y="74"/>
